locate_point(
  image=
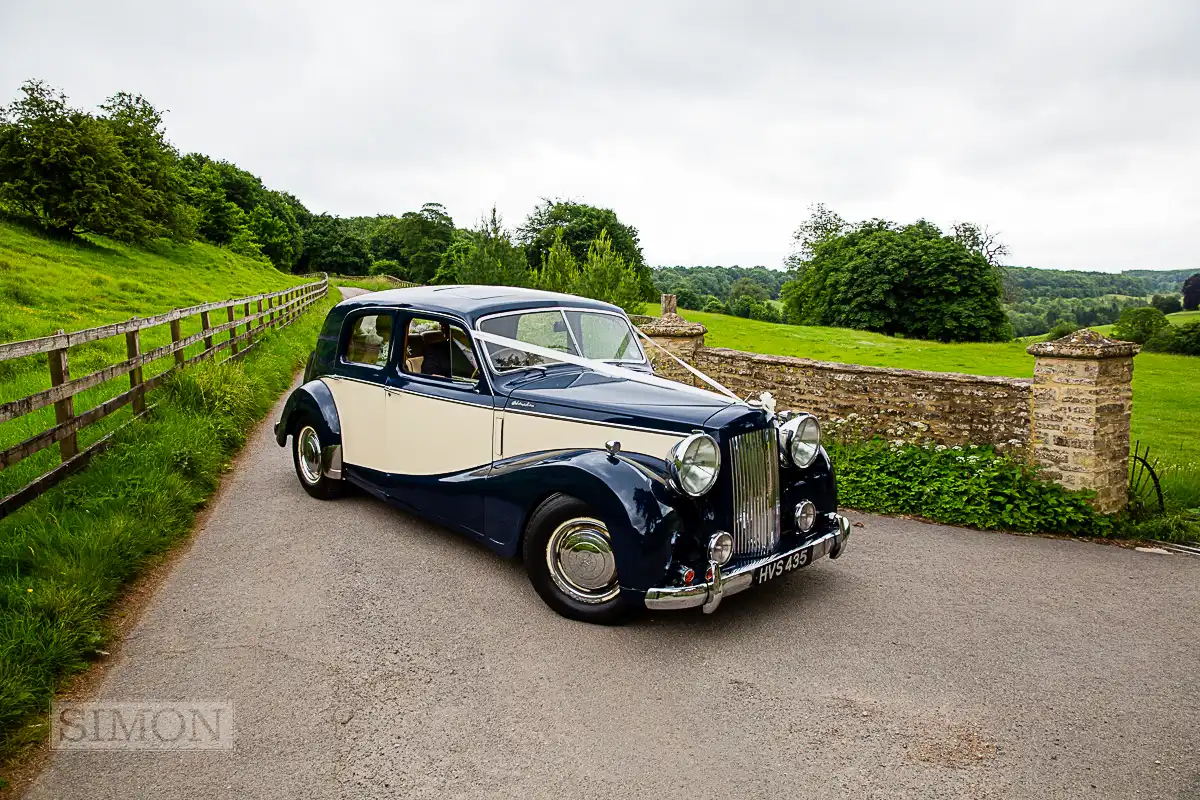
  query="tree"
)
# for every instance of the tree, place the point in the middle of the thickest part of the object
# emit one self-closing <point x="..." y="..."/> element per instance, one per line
<point x="218" y="219"/>
<point x="63" y="168"/>
<point x="687" y="296"/>
<point x="912" y="281"/>
<point x="1167" y="303"/>
<point x="981" y="241"/>
<point x="331" y="246"/>
<point x="582" y="225"/>
<point x="1191" y="293"/>
<point x="606" y="276"/>
<point x="159" y="193"/>
<point x="1140" y="324"/>
<point x="491" y="257"/>
<point x="748" y="287"/>
<point x="559" y="270"/>
<point x="822" y="225"/>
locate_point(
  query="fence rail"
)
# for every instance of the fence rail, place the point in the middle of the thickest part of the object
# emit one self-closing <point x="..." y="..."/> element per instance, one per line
<point x="281" y="309"/>
<point x="395" y="282"/>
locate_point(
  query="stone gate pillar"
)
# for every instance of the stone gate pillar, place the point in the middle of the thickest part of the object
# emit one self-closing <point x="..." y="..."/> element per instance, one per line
<point x="1082" y="402"/>
<point x="675" y="334"/>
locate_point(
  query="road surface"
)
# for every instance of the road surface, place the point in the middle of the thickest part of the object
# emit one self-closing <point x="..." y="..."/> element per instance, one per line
<point x="370" y="654"/>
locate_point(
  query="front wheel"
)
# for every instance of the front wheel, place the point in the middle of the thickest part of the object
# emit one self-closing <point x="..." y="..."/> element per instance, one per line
<point x="570" y="562"/>
<point x="306" y="455"/>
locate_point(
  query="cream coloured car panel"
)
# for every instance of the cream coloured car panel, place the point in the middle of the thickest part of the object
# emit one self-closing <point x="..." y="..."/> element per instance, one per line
<point x="431" y="436"/>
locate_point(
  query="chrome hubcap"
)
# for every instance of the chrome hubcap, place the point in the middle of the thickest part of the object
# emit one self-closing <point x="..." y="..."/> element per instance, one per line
<point x="581" y="561"/>
<point x="308" y="445"/>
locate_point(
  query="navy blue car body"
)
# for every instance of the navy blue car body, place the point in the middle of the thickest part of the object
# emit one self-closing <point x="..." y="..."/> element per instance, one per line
<point x="481" y="449"/>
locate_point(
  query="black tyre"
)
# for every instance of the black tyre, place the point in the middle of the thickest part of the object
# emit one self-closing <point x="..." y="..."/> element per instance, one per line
<point x="570" y="562"/>
<point x="306" y="455"/>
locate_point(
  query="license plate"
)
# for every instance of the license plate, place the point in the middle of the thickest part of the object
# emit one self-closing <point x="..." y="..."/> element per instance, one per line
<point x="781" y="565"/>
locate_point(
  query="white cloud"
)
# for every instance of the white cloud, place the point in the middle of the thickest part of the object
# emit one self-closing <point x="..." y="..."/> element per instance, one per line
<point x="1071" y="127"/>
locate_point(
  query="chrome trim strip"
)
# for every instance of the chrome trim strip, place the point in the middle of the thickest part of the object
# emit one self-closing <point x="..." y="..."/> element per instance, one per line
<point x="585" y="421"/>
<point x="741" y="578"/>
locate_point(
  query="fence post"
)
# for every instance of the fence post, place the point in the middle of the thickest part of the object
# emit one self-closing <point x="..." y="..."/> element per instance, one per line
<point x="176" y="335"/>
<point x="232" y="331"/>
<point x="206" y="327"/>
<point x="249" y="325"/>
<point x="64" y="410"/>
<point x="133" y="349"/>
<point x="262" y="323"/>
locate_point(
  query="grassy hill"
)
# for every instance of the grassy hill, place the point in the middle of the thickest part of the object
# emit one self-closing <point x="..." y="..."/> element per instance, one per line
<point x="1165" y="415"/>
<point x="46" y="285"/>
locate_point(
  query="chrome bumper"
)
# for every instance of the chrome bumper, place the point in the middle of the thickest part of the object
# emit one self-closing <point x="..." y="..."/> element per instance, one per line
<point x="740" y="578"/>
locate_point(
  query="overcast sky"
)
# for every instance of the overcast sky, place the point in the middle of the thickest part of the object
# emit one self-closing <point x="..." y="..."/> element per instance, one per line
<point x="1070" y="126"/>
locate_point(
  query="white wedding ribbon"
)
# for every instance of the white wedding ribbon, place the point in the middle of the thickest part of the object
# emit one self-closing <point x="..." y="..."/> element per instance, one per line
<point x="689" y="367"/>
<point x="605" y="368"/>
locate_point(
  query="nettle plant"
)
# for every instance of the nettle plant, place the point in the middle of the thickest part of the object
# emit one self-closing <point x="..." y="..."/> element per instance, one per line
<point x="971" y="485"/>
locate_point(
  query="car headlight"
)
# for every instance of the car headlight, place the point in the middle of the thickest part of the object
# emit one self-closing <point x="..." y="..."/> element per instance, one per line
<point x="800" y="439"/>
<point x="694" y="464"/>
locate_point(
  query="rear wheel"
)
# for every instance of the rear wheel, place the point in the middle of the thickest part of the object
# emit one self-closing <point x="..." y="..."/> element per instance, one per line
<point x="306" y="455"/>
<point x="570" y="561"/>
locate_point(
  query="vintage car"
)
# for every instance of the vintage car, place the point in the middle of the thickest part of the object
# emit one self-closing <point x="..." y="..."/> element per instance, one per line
<point x="534" y="422"/>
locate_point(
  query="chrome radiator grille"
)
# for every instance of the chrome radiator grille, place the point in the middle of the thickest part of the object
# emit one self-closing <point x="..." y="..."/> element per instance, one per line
<point x="755" y="475"/>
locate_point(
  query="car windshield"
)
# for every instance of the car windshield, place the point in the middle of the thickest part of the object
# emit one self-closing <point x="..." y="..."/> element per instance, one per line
<point x="591" y="334"/>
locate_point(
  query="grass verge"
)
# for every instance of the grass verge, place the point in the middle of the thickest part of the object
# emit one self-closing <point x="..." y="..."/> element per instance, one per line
<point x="65" y="557"/>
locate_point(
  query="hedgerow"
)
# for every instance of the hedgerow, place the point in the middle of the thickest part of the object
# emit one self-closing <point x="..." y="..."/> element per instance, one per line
<point x="975" y="486"/>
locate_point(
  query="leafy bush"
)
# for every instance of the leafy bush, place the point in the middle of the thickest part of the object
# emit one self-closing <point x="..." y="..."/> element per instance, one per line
<point x="974" y="486"/>
<point x="1140" y="324"/>
<point x="765" y="312"/>
<point x="1167" y="303"/>
<point x="1183" y="340"/>
<point x="713" y="305"/>
<point x="387" y="266"/>
<point x="1061" y="328"/>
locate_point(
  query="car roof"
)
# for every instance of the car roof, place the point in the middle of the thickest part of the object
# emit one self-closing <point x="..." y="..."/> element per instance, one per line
<point x="471" y="302"/>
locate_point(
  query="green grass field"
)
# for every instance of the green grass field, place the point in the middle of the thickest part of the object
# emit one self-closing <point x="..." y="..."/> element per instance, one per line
<point x="1166" y="388"/>
<point x="46" y="285"/>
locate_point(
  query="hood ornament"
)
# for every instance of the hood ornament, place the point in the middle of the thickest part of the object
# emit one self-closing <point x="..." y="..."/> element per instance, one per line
<point x="764" y="401"/>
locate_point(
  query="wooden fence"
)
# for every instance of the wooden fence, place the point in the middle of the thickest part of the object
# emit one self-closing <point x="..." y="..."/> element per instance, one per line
<point x="280" y="310"/>
<point x="394" y="282"/>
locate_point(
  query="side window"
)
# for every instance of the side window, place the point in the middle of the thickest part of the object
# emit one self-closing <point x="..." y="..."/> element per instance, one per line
<point x="437" y="349"/>
<point x="370" y="340"/>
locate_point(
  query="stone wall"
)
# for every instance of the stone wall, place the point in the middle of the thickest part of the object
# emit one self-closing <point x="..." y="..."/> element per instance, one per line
<point x="1072" y="419"/>
<point x="945" y="407"/>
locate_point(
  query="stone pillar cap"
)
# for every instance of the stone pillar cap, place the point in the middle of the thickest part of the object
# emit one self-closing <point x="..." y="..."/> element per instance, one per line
<point x="672" y="325"/>
<point x="1085" y="343"/>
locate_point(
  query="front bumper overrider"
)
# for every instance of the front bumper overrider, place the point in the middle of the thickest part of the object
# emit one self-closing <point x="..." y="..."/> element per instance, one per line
<point x="737" y="579"/>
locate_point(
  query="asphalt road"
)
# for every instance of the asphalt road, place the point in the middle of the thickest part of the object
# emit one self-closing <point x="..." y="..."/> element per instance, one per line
<point x="368" y="653"/>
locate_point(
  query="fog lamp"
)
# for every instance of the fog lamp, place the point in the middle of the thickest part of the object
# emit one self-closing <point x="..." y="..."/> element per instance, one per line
<point x="720" y="548"/>
<point x="806" y="516"/>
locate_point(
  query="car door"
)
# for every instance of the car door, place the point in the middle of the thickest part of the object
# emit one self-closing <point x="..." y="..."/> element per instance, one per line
<point x="358" y="386"/>
<point x="439" y="410"/>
